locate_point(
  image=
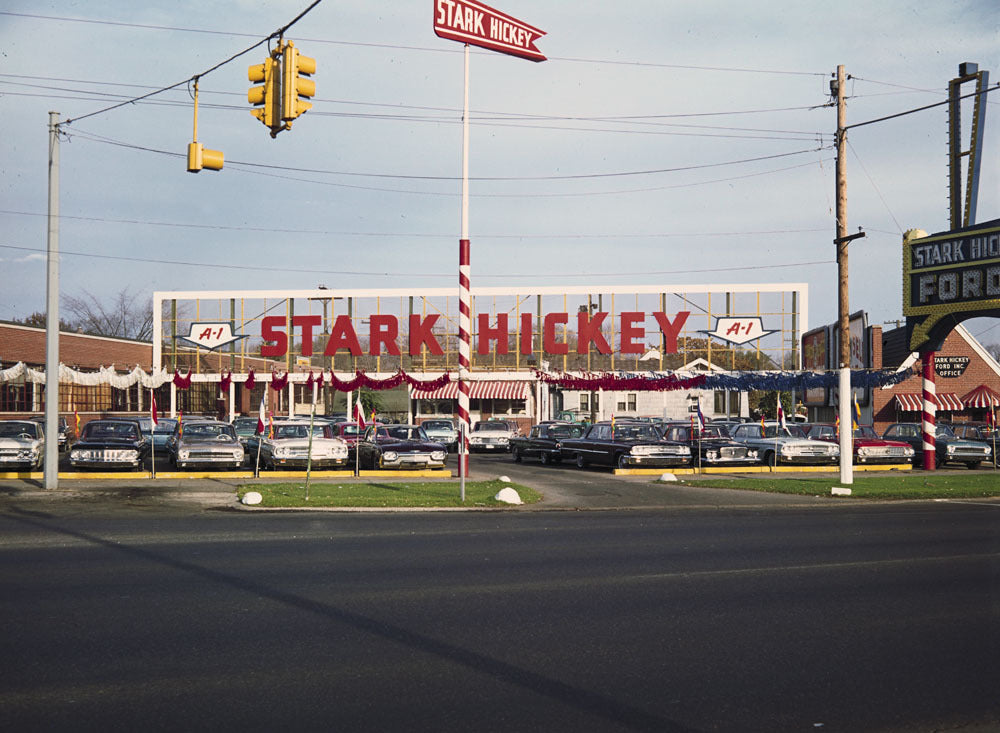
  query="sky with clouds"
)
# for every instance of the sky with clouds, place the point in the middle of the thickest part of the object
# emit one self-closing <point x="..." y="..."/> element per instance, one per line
<point x="660" y="142"/>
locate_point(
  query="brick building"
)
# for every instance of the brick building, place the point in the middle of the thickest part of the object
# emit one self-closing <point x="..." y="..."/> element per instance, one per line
<point x="967" y="379"/>
<point x="89" y="354"/>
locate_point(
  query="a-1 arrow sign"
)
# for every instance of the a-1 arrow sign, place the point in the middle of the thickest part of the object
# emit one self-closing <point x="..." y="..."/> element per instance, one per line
<point x="739" y="330"/>
<point x="472" y="22"/>
<point x="211" y="336"/>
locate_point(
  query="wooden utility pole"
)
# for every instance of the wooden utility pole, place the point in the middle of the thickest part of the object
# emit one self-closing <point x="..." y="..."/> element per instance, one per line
<point x="843" y="305"/>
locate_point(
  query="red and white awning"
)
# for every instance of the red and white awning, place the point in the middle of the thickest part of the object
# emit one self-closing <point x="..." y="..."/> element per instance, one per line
<point x="982" y="397"/>
<point x="494" y="390"/>
<point x="913" y="402"/>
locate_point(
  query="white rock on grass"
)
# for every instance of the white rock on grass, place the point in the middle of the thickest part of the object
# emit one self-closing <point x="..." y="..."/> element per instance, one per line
<point x="505" y="479"/>
<point x="668" y="477"/>
<point x="252" y="497"/>
<point x="840" y="491"/>
<point x="508" y="496"/>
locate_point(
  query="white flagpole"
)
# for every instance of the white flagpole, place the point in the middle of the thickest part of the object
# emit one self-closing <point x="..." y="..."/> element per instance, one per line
<point x="152" y="434"/>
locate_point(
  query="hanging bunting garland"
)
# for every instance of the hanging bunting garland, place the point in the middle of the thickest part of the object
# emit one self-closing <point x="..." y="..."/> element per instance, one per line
<point x="182" y="382"/>
<point x="319" y="380"/>
<point x="311" y="380"/>
<point x="225" y="381"/>
<point x="251" y="380"/>
<point x="363" y="381"/>
<point x="727" y="381"/>
<point x="278" y="383"/>
<point x="622" y="382"/>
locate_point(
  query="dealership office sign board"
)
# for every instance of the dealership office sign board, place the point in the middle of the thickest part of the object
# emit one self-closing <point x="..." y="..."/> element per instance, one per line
<point x="562" y="328"/>
<point x="947" y="278"/>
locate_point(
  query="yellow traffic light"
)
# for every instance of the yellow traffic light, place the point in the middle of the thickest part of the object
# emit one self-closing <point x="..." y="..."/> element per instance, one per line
<point x="199" y="158"/>
<point x="294" y="86"/>
<point x="267" y="96"/>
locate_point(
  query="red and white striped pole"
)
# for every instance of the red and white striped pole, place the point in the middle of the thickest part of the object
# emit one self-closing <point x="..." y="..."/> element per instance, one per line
<point x="464" y="300"/>
<point x="929" y="411"/>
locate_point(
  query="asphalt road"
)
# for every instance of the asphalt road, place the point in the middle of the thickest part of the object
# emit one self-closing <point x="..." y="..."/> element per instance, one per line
<point x="835" y="617"/>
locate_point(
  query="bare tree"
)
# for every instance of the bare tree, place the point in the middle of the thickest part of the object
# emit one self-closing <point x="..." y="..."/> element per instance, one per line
<point x="123" y="315"/>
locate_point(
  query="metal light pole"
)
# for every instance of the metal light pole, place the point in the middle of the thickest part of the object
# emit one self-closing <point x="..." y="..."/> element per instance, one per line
<point x="51" y="475"/>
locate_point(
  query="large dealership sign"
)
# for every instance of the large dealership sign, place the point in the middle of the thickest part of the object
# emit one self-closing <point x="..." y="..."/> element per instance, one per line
<point x="480" y="25"/>
<point x="949" y="277"/>
<point x="568" y="328"/>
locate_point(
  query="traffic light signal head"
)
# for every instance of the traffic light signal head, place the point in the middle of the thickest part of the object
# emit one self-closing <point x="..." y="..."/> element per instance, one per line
<point x="295" y="87"/>
<point x="267" y="96"/>
<point x="199" y="158"/>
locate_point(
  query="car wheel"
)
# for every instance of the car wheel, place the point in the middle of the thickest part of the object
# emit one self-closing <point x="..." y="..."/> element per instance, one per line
<point x="623" y="460"/>
<point x="580" y="461"/>
<point x="771" y="458"/>
<point x="517" y="455"/>
<point x="972" y="464"/>
<point x="545" y="457"/>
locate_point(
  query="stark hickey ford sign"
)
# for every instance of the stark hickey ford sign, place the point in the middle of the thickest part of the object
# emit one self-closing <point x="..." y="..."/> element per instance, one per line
<point x="480" y="25"/>
<point x="384" y="333"/>
<point x="949" y="277"/>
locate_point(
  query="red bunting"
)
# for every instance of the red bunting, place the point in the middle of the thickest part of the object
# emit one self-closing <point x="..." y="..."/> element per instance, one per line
<point x="182" y="382"/>
<point x="226" y="381"/>
<point x="251" y="380"/>
<point x="278" y="383"/>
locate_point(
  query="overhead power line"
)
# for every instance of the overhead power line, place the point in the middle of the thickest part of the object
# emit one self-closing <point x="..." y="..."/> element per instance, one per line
<point x="409" y="273"/>
<point x="402" y="47"/>
<point x="278" y="33"/>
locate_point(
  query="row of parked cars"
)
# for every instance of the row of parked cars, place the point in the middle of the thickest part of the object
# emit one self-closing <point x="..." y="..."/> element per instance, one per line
<point x="666" y="444"/>
<point x="198" y="443"/>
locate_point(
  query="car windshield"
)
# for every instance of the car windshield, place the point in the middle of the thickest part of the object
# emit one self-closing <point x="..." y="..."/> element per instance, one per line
<point x="207" y="430"/>
<point x="865" y="432"/>
<point x="566" y="431"/>
<point x="636" y="431"/>
<point x="111" y="431"/>
<point x="943" y="431"/>
<point x="776" y="431"/>
<point x="406" y="432"/>
<point x="437" y="425"/>
<point x="297" y="431"/>
<point x="491" y="426"/>
<point x="13" y="429"/>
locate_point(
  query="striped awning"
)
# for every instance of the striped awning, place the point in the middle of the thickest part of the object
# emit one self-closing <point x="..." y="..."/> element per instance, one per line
<point x="494" y="390"/>
<point x="913" y="402"/>
<point x="982" y="397"/>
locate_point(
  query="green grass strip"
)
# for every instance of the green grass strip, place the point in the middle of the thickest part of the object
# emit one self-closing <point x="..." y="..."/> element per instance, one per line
<point x="386" y="494"/>
<point x="910" y="485"/>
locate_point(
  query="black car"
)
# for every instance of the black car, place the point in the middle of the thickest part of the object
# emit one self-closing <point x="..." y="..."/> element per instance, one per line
<point x="949" y="448"/>
<point x="64" y="434"/>
<point x="975" y="431"/>
<point x="107" y="444"/>
<point x="624" y="445"/>
<point x="399" y="446"/>
<point x="544" y="441"/>
<point x="711" y="446"/>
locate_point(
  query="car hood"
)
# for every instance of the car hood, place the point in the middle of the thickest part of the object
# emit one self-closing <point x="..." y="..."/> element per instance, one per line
<point x="224" y="442"/>
<point x="107" y="444"/>
<point x="304" y="442"/>
<point x="15" y="443"/>
<point x="410" y="446"/>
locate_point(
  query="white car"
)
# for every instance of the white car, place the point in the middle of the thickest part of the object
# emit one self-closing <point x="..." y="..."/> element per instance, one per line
<point x="22" y="444"/>
<point x="776" y="445"/>
<point x="290" y="446"/>
<point x="491" y="435"/>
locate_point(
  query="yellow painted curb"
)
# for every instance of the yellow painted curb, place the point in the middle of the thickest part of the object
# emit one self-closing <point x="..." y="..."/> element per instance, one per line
<point x="756" y="469"/>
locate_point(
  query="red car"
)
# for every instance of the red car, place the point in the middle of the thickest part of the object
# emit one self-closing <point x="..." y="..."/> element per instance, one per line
<point x="869" y="448"/>
<point x="348" y="432"/>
